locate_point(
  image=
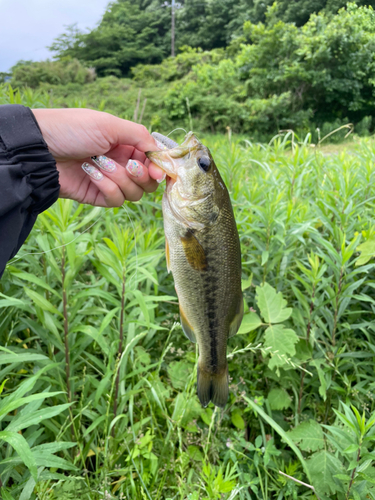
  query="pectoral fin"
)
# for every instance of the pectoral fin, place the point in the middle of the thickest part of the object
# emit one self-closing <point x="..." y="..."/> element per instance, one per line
<point x="236" y="321"/>
<point x="187" y="328"/>
<point x="194" y="252"/>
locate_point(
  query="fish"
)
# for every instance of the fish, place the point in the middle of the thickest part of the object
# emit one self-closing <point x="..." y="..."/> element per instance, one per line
<point x="203" y="253"/>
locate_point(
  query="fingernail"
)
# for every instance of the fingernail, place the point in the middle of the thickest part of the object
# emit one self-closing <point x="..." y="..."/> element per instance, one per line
<point x="104" y="163"/>
<point x="160" y="145"/>
<point x="134" y="168"/>
<point x="161" y="180"/>
<point x="92" y="171"/>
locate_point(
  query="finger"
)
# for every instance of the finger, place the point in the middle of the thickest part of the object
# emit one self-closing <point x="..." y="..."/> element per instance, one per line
<point x="130" y="133"/>
<point x="111" y="193"/>
<point x="135" y="172"/>
<point x="121" y="154"/>
<point x="154" y="171"/>
<point x="141" y="175"/>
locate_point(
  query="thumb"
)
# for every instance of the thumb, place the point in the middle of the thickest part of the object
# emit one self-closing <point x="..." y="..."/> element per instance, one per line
<point x="128" y="133"/>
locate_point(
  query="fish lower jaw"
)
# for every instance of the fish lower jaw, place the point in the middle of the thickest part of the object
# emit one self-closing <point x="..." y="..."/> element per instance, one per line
<point x="170" y="181"/>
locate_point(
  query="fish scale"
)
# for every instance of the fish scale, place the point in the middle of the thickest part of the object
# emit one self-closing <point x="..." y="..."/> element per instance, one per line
<point x="203" y="253"/>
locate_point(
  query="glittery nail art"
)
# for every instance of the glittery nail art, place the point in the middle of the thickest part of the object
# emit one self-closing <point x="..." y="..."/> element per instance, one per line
<point x="104" y="163"/>
<point x="134" y="168"/>
<point x="92" y="171"/>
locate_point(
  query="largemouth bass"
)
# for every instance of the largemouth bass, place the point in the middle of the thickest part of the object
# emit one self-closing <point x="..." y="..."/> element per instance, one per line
<point x="203" y="253"/>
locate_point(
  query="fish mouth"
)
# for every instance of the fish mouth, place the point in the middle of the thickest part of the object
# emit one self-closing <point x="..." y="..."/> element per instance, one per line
<point x="167" y="158"/>
<point x="161" y="158"/>
<point x="163" y="142"/>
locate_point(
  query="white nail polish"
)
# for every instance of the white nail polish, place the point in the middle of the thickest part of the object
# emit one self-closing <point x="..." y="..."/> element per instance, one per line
<point x="162" y="179"/>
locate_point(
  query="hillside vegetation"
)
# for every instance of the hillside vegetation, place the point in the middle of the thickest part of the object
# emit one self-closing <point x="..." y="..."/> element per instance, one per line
<point x="265" y="77"/>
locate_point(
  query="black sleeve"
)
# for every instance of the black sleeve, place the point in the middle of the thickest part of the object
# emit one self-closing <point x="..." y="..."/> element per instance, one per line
<point x="29" y="180"/>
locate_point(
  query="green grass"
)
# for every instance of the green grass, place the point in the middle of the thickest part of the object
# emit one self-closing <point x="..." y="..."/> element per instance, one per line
<point x="302" y="377"/>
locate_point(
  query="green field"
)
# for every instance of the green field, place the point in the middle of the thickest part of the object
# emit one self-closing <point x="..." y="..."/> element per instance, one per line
<point x="88" y="298"/>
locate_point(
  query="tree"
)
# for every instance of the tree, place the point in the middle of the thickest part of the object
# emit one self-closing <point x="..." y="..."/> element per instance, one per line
<point x="129" y="33"/>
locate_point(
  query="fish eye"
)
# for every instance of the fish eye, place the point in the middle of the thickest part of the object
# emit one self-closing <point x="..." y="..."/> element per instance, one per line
<point x="204" y="163"/>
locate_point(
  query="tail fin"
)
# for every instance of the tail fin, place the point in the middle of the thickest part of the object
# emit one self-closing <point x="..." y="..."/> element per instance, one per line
<point x="213" y="387"/>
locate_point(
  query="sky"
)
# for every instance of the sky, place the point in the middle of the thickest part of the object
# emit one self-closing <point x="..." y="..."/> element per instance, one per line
<point x="28" y="26"/>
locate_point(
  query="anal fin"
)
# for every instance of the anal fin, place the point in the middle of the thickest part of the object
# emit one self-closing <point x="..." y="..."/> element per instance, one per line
<point x="187" y="328"/>
<point x="236" y="321"/>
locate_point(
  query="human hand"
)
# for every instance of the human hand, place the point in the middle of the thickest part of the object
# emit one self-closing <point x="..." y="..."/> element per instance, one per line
<point x="74" y="136"/>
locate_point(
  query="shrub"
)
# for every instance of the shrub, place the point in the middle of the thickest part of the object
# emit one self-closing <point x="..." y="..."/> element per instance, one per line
<point x="32" y="74"/>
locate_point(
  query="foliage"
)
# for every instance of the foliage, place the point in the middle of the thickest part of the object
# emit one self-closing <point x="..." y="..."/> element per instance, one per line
<point x="273" y="76"/>
<point x="326" y="65"/>
<point x="299" y="12"/>
<point x="129" y="33"/>
<point x="32" y="74"/>
<point x="286" y="77"/>
<point x="99" y="383"/>
<point x="140" y="31"/>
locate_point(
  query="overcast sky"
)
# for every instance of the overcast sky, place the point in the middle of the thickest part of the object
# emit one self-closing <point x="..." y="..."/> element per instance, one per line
<point x="28" y="26"/>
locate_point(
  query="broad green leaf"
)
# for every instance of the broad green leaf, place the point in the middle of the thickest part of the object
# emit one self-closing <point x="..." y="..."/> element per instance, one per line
<point x="258" y="409"/>
<point x="342" y="477"/>
<point x="324" y="384"/>
<point x="206" y="416"/>
<point x="93" y="332"/>
<point x="308" y="435"/>
<point x="13" y="302"/>
<point x="43" y="459"/>
<point x="2" y="385"/>
<point x="237" y="420"/>
<point x="323" y="467"/>
<point x="28" y="489"/>
<point x="142" y="304"/>
<point x="271" y="304"/>
<point x="251" y="321"/>
<point x="53" y="447"/>
<point x="96" y="422"/>
<point x="281" y="342"/>
<point x="33" y="279"/>
<point x="179" y="373"/>
<point x="278" y="399"/>
<point x="42" y="302"/>
<point x="195" y="453"/>
<point x="179" y="407"/>
<point x="5" y="495"/>
<point x="20" y="445"/>
<point x="367" y="250"/>
<point x="108" y="318"/>
<point x="265" y="256"/>
<point x="114" y="248"/>
<point x="4" y="349"/>
<point x="351" y="449"/>
<point x="245" y="284"/>
<point x="26" y="357"/>
<point x="23" y="421"/>
<point x="8" y="404"/>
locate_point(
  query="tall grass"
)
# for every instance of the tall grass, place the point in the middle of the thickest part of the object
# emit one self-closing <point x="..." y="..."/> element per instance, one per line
<point x="97" y="380"/>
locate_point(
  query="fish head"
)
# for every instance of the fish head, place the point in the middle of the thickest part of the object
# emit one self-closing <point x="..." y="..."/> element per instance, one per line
<point x="195" y="190"/>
